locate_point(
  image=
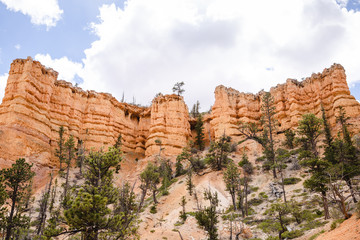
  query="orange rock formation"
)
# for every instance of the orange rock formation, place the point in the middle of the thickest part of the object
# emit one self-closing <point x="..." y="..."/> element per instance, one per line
<point x="292" y="99"/>
<point x="36" y="104"/>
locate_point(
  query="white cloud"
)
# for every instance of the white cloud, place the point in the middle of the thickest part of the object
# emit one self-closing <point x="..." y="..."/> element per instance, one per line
<point x="41" y="12"/>
<point x="66" y="68"/>
<point x="3" y="81"/>
<point x="17" y="47"/>
<point x="149" y="45"/>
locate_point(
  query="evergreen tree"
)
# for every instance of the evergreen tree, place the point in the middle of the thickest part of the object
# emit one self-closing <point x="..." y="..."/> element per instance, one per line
<point x="279" y="211"/>
<point x="118" y="142"/>
<point x="179" y="168"/>
<point x="17" y="180"/>
<point x="89" y="212"/>
<point x="232" y="180"/>
<point x="218" y="154"/>
<point x="3" y="197"/>
<point x="282" y="155"/>
<point x="70" y="154"/>
<point x="199" y="128"/>
<point x="268" y="123"/>
<point x="60" y="151"/>
<point x="266" y="139"/>
<point x="125" y="214"/>
<point x="178" y="88"/>
<point x="289" y="138"/>
<point x="347" y="156"/>
<point x="43" y="203"/>
<point x="183" y="215"/>
<point x="309" y="131"/>
<point x="208" y="218"/>
<point x="329" y="153"/>
<point x="149" y="178"/>
<point x="189" y="183"/>
<point x="247" y="168"/>
<point x="80" y="155"/>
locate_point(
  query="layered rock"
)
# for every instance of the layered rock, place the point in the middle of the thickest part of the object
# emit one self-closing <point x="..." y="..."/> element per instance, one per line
<point x="292" y="99"/>
<point x="36" y="104"/>
<point x="169" y="125"/>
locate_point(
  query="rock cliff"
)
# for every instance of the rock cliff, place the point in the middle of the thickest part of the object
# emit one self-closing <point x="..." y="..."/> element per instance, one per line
<point x="292" y="99"/>
<point x="36" y="104"/>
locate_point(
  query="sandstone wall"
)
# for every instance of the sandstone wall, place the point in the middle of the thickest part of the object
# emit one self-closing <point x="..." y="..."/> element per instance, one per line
<point x="292" y="99"/>
<point x="36" y="104"/>
<point x="169" y="124"/>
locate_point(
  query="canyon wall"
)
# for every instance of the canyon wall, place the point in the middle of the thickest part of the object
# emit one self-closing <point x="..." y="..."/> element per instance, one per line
<point x="292" y="99"/>
<point x="36" y="104"/>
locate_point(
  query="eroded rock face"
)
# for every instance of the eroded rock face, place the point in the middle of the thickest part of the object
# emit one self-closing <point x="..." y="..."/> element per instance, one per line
<point x="292" y="99"/>
<point x="169" y="124"/>
<point x="36" y="104"/>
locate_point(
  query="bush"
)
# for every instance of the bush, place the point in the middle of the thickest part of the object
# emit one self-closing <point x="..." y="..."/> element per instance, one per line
<point x="291" y="181"/>
<point x="255" y="202"/>
<point x="153" y="209"/>
<point x="293" y="234"/>
<point x="263" y="195"/>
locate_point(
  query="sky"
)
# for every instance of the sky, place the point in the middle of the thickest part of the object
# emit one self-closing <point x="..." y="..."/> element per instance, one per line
<point x="138" y="48"/>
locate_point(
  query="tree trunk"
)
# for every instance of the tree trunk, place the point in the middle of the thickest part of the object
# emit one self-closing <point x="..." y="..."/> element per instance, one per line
<point x="10" y="218"/>
<point x="348" y="182"/>
<point x="154" y="197"/>
<point x="233" y="197"/>
<point x="326" y="205"/>
<point x="282" y="185"/>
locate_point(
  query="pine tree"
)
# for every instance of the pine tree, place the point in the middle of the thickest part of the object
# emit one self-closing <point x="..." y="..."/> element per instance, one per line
<point x="183" y="215"/>
<point x="89" y="212"/>
<point x="208" y="218"/>
<point x="232" y="180"/>
<point x="118" y="142"/>
<point x="125" y="212"/>
<point x="60" y="151"/>
<point x="289" y="138"/>
<point x="347" y="156"/>
<point x="3" y="197"/>
<point x="309" y="130"/>
<point x="199" y="128"/>
<point x="70" y="154"/>
<point x="282" y="155"/>
<point x="189" y="183"/>
<point x="178" y="88"/>
<point x="17" y="179"/>
<point x="149" y="178"/>
<point x="279" y="211"/>
<point x="218" y="154"/>
<point x="44" y="202"/>
<point x="80" y="155"/>
<point x="329" y="153"/>
<point x="247" y="168"/>
<point x="266" y="139"/>
<point x="268" y="122"/>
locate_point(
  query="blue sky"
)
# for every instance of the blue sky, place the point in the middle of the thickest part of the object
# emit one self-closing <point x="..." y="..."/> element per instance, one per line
<point x="142" y="47"/>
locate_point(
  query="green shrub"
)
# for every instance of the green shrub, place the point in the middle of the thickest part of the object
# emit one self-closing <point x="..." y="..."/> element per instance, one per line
<point x="291" y="181"/>
<point x="255" y="202"/>
<point x="263" y="195"/>
<point x="153" y="209"/>
<point x="293" y="234"/>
